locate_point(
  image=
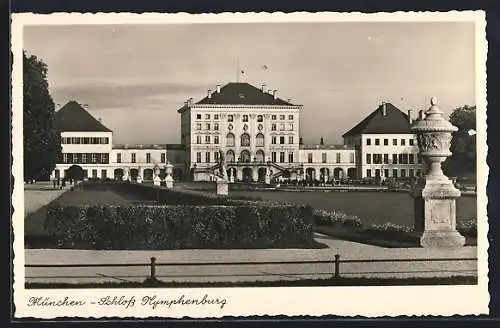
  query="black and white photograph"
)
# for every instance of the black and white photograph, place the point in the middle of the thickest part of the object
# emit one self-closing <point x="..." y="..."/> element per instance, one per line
<point x="173" y="165"/>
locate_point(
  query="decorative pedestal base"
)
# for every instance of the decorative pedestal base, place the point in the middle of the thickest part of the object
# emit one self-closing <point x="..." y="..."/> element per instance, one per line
<point x="231" y="179"/>
<point x="169" y="182"/>
<point x="268" y="179"/>
<point x="442" y="239"/>
<point x="222" y="187"/>
<point x="156" y="181"/>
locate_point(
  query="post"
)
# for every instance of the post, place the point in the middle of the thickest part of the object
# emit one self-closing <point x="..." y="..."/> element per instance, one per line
<point x="153" y="268"/>
<point x="337" y="266"/>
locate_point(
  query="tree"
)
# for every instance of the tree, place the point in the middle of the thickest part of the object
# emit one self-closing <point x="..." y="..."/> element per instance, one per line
<point x="463" y="144"/>
<point x="42" y="145"/>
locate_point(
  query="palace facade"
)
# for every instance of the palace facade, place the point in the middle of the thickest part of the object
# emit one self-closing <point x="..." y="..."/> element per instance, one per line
<point x="259" y="135"/>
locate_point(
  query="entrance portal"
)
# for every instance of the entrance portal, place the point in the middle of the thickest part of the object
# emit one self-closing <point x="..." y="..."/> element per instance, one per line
<point x="247" y="174"/>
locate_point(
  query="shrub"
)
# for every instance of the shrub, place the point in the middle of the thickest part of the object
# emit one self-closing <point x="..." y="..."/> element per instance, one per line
<point x="176" y="227"/>
<point x="336" y="218"/>
<point x="467" y="228"/>
<point x="392" y="231"/>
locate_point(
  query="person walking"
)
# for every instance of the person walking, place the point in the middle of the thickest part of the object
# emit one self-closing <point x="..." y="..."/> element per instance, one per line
<point x="54" y="183"/>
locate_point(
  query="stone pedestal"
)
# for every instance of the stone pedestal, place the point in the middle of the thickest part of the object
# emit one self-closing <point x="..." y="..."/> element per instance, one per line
<point x="434" y="194"/>
<point x="222" y="187"/>
<point x="139" y="179"/>
<point x="156" y="180"/>
<point x="268" y="179"/>
<point x="125" y="178"/>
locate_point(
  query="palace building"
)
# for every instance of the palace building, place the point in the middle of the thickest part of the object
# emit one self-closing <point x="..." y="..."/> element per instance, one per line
<point x="259" y="135"/>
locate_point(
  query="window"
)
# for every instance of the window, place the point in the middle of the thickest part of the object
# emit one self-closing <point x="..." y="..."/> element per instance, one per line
<point x="230" y="118"/>
<point x="282" y="140"/>
<point x="273" y="157"/>
<point x="369" y="173"/>
<point x="377" y="142"/>
<point x="323" y="157"/>
<point x="403" y="173"/>
<point x="403" y="143"/>
<point x="368" y="158"/>
<point x="86" y="140"/>
<point x="163" y="157"/>
<point x="290" y="157"/>
<point x="394" y="142"/>
<point x="119" y="158"/>
<point x="386" y="142"/>
<point x="395" y="173"/>
<point x="273" y="117"/>
<point x="198" y="157"/>
<point x="133" y="158"/>
<point x="216" y="140"/>
<point x="207" y="126"/>
<point x="386" y="158"/>
<point x="386" y="173"/>
<point x="282" y="127"/>
<point x="290" y="139"/>
<point x="419" y="158"/>
<point x="198" y="116"/>
<point x="377" y="173"/>
<point x="309" y="158"/>
<point x="230" y="156"/>
<point x="259" y="140"/>
<point x="216" y="156"/>
<point x="260" y="118"/>
<point x="337" y="157"/>
<point x="368" y="142"/>
<point x="148" y="157"/>
<point x="282" y="157"/>
<point x="94" y="173"/>
<point x="216" y="116"/>
<point x="282" y="117"/>
<point x="290" y="117"/>
<point x="104" y="174"/>
<point x="410" y="142"/>
<point x="351" y="157"/>
<point x="207" y="116"/>
<point x="411" y="173"/>
<point x="63" y="140"/>
<point x="419" y="173"/>
<point x="245" y="118"/>
<point x="245" y="140"/>
<point x="394" y="158"/>
<point x="411" y="158"/>
<point x="198" y="139"/>
<point x="75" y="158"/>
<point x="216" y="126"/>
<point x="207" y="139"/>
<point x="77" y="140"/>
<point x="273" y="127"/>
<point x="377" y="158"/>
<point x="207" y="157"/>
<point x="259" y="156"/>
<point x="273" y="140"/>
<point x="85" y="174"/>
<point x="290" y="127"/>
<point x="65" y="158"/>
<point x="198" y="126"/>
<point x="403" y="158"/>
<point x="105" y="158"/>
<point x="230" y="140"/>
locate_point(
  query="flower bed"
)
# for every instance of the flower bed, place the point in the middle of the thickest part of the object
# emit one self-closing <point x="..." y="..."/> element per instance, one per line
<point x="181" y="227"/>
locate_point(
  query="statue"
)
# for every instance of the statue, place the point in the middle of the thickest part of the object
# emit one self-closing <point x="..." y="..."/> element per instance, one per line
<point x="222" y="165"/>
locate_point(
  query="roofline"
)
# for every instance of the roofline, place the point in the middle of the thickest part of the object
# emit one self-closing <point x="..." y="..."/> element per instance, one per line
<point x="186" y="107"/>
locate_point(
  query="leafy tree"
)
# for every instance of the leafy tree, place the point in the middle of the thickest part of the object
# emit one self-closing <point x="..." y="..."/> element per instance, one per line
<point x="42" y="145"/>
<point x="463" y="144"/>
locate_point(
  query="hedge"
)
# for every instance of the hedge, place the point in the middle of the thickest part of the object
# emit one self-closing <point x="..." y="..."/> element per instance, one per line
<point x="180" y="227"/>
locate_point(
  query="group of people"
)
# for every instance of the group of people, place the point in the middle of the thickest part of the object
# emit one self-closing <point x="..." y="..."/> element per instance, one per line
<point x="58" y="184"/>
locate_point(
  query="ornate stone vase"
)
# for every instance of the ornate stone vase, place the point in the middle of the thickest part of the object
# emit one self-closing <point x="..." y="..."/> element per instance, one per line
<point x="434" y="194"/>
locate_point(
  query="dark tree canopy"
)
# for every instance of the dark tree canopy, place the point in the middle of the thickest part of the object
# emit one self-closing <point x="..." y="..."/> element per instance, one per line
<point x="463" y="144"/>
<point x="42" y="146"/>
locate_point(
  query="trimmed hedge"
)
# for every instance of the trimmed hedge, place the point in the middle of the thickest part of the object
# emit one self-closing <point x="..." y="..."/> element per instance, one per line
<point x="181" y="227"/>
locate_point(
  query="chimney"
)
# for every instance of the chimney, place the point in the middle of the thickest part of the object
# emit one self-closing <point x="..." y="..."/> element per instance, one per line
<point x="409" y="115"/>
<point x="384" y="109"/>
<point x="321" y="142"/>
<point x="218" y="88"/>
<point x="421" y="114"/>
<point x="189" y="101"/>
<point x="275" y="94"/>
<point x="209" y="93"/>
<point x="301" y="141"/>
<point x="263" y="88"/>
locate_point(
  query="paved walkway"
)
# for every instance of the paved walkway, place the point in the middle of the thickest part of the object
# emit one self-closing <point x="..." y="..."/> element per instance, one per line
<point x="251" y="271"/>
<point x="38" y="195"/>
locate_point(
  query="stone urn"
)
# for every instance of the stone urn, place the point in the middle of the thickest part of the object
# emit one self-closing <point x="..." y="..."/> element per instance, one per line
<point x="434" y="193"/>
<point x="169" y="180"/>
<point x="156" y="176"/>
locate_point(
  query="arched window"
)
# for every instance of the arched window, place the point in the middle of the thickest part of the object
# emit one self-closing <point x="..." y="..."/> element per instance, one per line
<point x="245" y="140"/>
<point x="260" y="118"/>
<point x="230" y="140"/>
<point x="259" y="140"/>
<point x="230" y="156"/>
<point x="245" y="156"/>
<point x="259" y="156"/>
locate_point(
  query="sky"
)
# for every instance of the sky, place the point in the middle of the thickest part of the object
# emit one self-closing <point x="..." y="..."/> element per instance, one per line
<point x="135" y="77"/>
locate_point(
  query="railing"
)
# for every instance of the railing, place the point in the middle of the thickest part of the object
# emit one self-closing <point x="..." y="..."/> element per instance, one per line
<point x="335" y="263"/>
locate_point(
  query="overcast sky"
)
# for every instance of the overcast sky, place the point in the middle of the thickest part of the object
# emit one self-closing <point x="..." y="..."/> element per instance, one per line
<point x="136" y="77"/>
